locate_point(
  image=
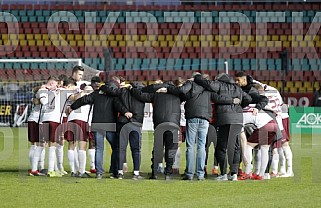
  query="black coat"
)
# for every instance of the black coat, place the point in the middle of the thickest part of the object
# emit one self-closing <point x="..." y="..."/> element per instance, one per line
<point x="166" y="107"/>
<point x="126" y="102"/>
<point x="225" y="86"/>
<point x="198" y="100"/>
<point x="260" y="100"/>
<point x="103" y="109"/>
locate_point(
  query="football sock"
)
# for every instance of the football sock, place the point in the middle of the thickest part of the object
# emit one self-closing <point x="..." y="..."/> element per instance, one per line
<point x="288" y="155"/>
<point x="36" y="158"/>
<point x="91" y="154"/>
<point x="82" y="161"/>
<point x="275" y="162"/>
<point x="282" y="160"/>
<point x="76" y="159"/>
<point x="31" y="153"/>
<point x="51" y="158"/>
<point x="264" y="158"/>
<point x="60" y="156"/>
<point x="71" y="159"/>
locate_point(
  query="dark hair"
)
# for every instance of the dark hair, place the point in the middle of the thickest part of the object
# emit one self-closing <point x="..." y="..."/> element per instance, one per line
<point x="52" y="78"/>
<point x="62" y="77"/>
<point x="69" y="81"/>
<point x="240" y="74"/>
<point x="78" y="68"/>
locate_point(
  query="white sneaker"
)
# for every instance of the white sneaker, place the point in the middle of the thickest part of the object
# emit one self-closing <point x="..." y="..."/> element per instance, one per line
<point x="63" y="172"/>
<point x="232" y="177"/>
<point x="222" y="177"/>
<point x="267" y="176"/>
<point x="287" y="175"/>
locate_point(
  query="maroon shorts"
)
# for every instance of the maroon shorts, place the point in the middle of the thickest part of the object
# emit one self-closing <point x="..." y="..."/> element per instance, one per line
<point x="33" y="131"/>
<point x="264" y="135"/>
<point x="77" y="131"/>
<point x="286" y="126"/>
<point x="50" y="131"/>
<point x="91" y="136"/>
<point x="182" y="133"/>
<point x="285" y="138"/>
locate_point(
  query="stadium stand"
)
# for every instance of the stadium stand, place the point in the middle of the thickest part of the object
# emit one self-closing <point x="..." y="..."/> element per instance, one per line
<point x="148" y="51"/>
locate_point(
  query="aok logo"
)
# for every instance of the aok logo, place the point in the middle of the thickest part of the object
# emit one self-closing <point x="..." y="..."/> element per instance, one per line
<point x="310" y="119"/>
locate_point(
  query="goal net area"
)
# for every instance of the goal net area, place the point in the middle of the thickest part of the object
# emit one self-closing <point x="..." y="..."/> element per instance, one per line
<point x="19" y="76"/>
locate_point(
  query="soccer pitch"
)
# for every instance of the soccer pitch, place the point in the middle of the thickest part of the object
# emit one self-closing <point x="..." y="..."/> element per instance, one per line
<point x="19" y="190"/>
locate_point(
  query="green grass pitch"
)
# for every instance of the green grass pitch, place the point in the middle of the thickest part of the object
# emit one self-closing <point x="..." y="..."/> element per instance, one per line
<point x="19" y="190"/>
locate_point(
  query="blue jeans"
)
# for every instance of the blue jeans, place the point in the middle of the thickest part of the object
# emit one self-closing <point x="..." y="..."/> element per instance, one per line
<point x="196" y="128"/>
<point x="99" y="147"/>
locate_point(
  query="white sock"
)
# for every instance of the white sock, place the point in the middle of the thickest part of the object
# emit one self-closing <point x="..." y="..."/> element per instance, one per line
<point x="288" y="155"/>
<point x="264" y="159"/>
<point x="248" y="155"/>
<point x="41" y="164"/>
<point x="281" y="160"/>
<point x="177" y="158"/>
<point x="56" y="166"/>
<point x="121" y="172"/>
<point x="76" y="159"/>
<point x="36" y="158"/>
<point x="31" y="153"/>
<point x="136" y="172"/>
<point x="275" y="162"/>
<point x="60" y="156"/>
<point x="71" y="159"/>
<point x="51" y="158"/>
<point x="91" y="155"/>
<point x="257" y="160"/>
<point x="82" y="161"/>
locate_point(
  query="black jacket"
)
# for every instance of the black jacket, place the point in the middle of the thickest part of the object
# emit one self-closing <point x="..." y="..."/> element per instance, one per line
<point x="198" y="100"/>
<point x="260" y="100"/>
<point x="103" y="109"/>
<point x="126" y="102"/>
<point x="225" y="86"/>
<point x="166" y="107"/>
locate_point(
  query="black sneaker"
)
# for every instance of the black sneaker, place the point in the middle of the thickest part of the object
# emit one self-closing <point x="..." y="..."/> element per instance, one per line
<point x="137" y="177"/>
<point x="186" y="178"/>
<point x="112" y="176"/>
<point x="99" y="176"/>
<point x="120" y="176"/>
<point x="44" y="171"/>
<point x="73" y="174"/>
<point x="153" y="177"/>
<point x="84" y="175"/>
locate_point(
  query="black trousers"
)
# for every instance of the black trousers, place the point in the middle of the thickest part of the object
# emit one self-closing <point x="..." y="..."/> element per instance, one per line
<point x="170" y="152"/>
<point x="131" y="132"/>
<point x="228" y="144"/>
<point x="210" y="138"/>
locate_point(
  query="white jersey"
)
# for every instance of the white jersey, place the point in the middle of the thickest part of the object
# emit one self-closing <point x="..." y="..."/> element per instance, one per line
<point x="35" y="113"/>
<point x="275" y="102"/>
<point x="82" y="114"/>
<point x="260" y="120"/>
<point x="285" y="111"/>
<point x="51" y="105"/>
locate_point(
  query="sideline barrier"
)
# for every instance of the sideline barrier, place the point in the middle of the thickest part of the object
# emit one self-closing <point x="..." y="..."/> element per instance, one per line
<point x="305" y="120"/>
